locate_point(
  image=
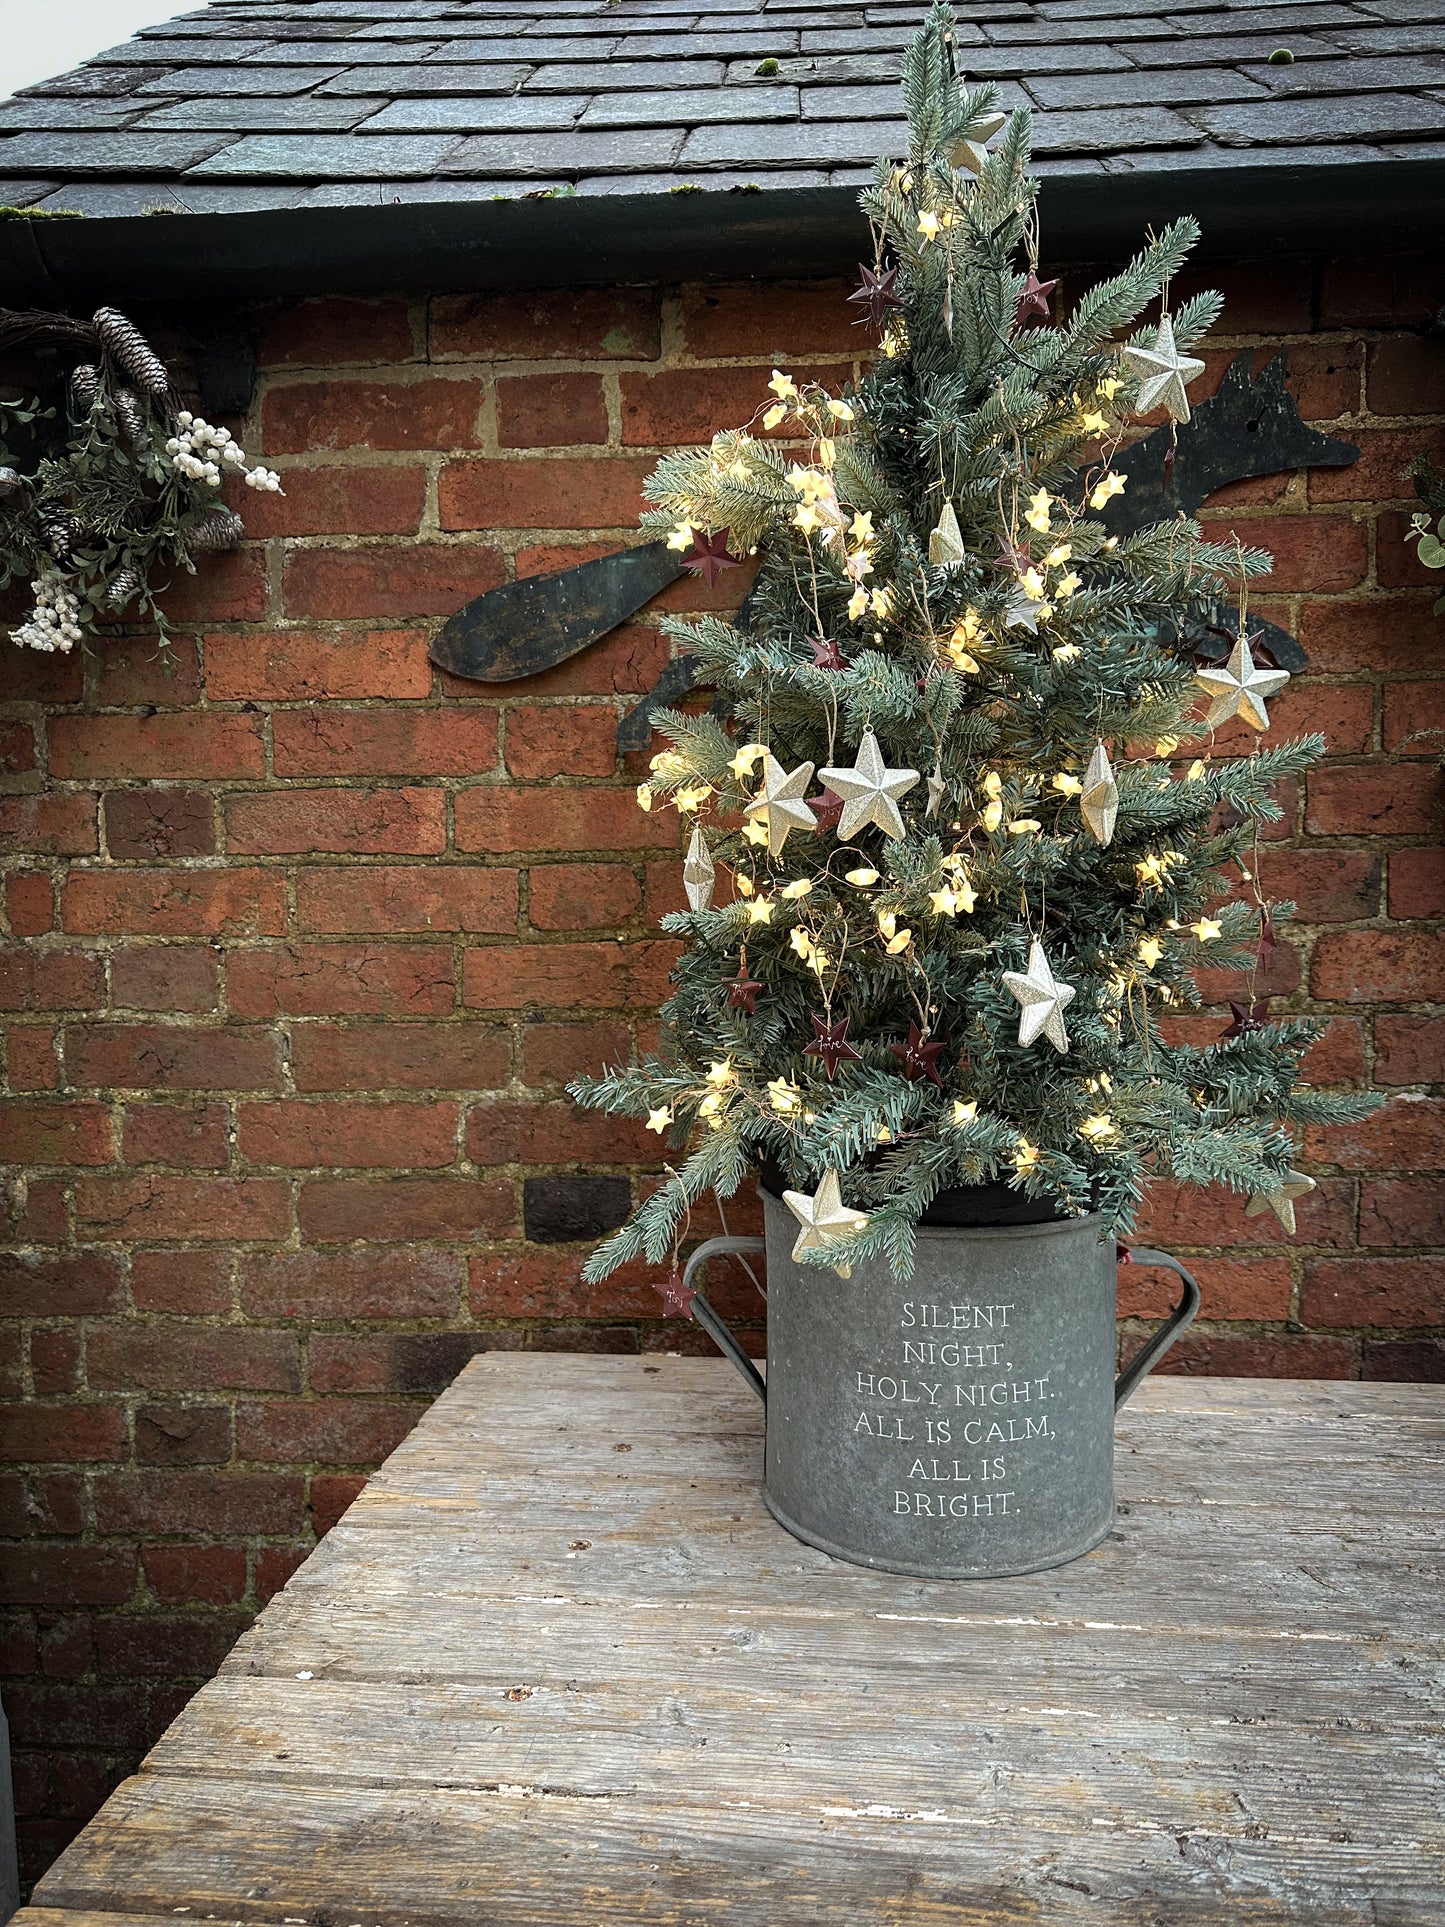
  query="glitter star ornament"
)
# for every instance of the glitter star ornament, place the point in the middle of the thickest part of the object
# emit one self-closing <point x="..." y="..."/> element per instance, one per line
<point x="870" y="791"/>
<point x="1280" y="1201"/>
<point x="699" y="876"/>
<point x="1163" y="374"/>
<point x="1023" y="612"/>
<point x="945" y="541"/>
<point x="824" y="1219"/>
<point x="779" y="803"/>
<point x="937" y="790"/>
<point x="1099" y="798"/>
<point x="876" y="295"/>
<point x="830" y="1045"/>
<point x="709" y="556"/>
<point x="971" y="148"/>
<point x="1240" y="688"/>
<point x="1042" y="998"/>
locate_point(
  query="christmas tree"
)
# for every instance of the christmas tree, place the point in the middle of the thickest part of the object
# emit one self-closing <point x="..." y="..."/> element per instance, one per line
<point x="960" y="766"/>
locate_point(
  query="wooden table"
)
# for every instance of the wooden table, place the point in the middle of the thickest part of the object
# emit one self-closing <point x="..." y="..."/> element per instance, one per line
<point x="558" y="1665"/>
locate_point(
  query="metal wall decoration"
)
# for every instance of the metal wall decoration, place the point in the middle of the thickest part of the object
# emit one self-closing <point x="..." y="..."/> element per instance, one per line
<point x="1251" y="427"/>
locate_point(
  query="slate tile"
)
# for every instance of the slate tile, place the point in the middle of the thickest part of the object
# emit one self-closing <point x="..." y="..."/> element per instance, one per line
<point x="329" y="156"/>
<point x="692" y="107"/>
<point x="18" y="192"/>
<point x="868" y="40"/>
<point x="1052" y="12"/>
<point x="242" y="114"/>
<point x="155" y="53"/>
<point x="111" y="199"/>
<point x="628" y="150"/>
<point x="985" y="63"/>
<point x="102" y="153"/>
<point x="839" y="70"/>
<point x="1275" y="20"/>
<point x="1220" y="49"/>
<point x="822" y="142"/>
<point x="1212" y="159"/>
<point x="516" y="48"/>
<point x="210" y="81"/>
<point x="810" y="22"/>
<point x="436" y="79"/>
<point x="416" y="192"/>
<point x="1402" y="10"/>
<point x="759" y="44"/>
<point x="75" y="112"/>
<point x="92" y="81"/>
<point x="1387" y="40"/>
<point x="597" y="76"/>
<point x="1105" y="130"/>
<point x="234" y="197"/>
<point x="1011" y="33"/>
<point x="1135" y="88"/>
<point x="1366" y="117"/>
<point x="328" y="53"/>
<point x="1416" y="150"/>
<point x="768" y="180"/>
<point x="1403" y="71"/>
<point x="488" y="115"/>
<point x="882" y="102"/>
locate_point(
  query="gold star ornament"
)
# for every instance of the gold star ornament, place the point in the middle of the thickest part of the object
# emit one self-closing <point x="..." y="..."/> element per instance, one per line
<point x="824" y="1219"/>
<point x="699" y="875"/>
<point x="1099" y="798"/>
<point x="870" y="791"/>
<point x="779" y="804"/>
<point x="1280" y="1201"/>
<point x="1042" y="999"/>
<point x="1240" y="688"/>
<point x="971" y="148"/>
<point x="1163" y="374"/>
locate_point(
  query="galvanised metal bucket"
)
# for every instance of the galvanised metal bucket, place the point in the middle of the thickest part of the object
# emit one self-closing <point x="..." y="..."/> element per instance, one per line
<point x="959" y="1426"/>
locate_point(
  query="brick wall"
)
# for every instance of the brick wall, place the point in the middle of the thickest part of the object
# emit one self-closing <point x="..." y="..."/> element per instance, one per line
<point x="304" y="939"/>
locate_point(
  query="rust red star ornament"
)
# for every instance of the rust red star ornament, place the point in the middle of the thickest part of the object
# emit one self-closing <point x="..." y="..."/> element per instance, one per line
<point x="826" y="654"/>
<point x="742" y="991"/>
<point x="675" y="1295"/>
<point x="831" y="1045"/>
<point x="827" y="808"/>
<point x="1013" y="557"/>
<point x="1247" y="1017"/>
<point x="876" y="295"/>
<point x="708" y="556"/>
<point x="1033" y="299"/>
<point x="918" y="1058"/>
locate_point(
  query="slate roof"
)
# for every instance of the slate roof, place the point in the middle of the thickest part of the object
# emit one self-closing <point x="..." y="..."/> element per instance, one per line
<point x="258" y="104"/>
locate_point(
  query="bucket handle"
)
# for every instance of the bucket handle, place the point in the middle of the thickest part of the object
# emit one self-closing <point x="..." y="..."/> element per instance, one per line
<point x="711" y="1323"/>
<point x="1127" y="1383"/>
<point x="1124" y="1386"/>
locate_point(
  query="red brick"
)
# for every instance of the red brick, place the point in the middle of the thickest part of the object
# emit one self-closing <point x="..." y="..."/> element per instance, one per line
<point x="203" y="1210"/>
<point x="1371" y="799"/>
<point x="537" y="1284"/>
<point x="274" y="1566"/>
<point x="225" y="588"/>
<point x="49" y="825"/>
<point x="1380" y="291"/>
<point x="543" y="492"/>
<point x="298" y="665"/>
<point x="174" y="903"/>
<point x="1397" y="560"/>
<point x="393" y="1210"/>
<point x="29" y="902"/>
<point x="508" y="1133"/>
<point x="1379" y="966"/>
<point x="195" y="1575"/>
<point x="30" y="1058"/>
<point x="192" y="1645"/>
<point x="188" y="1137"/>
<point x="183" y="1434"/>
<point x="1374" y="1291"/>
<point x="406" y="1282"/>
<point x="771" y="321"/>
<point x="1313" y="552"/>
<point x="581" y="896"/>
<point x="1402" y="1211"/>
<point x="1417" y="883"/>
<point x="390" y="898"/>
<point x="1339" y="1056"/>
<point x="199" y="1504"/>
<point x="433" y="413"/>
<point x="180" y="1281"/>
<point x="32" y="978"/>
<point x="1325" y="378"/>
<point x="550" y="411"/>
<point x="404" y="1057"/>
<point x="562" y="741"/>
<point x="77" y="1285"/>
<point x="396" y="1362"/>
<point x="1381" y="474"/>
<point x="99" y="1713"/>
<point x="397" y="579"/>
<point x="33" y="677"/>
<point x="683" y="406"/>
<point x="1330" y="886"/>
<point x="169" y="744"/>
<point x="339" y="501"/>
<point x="172" y="1356"/>
<point x="55" y="1362"/>
<point x="153" y="824"/>
<point x="556" y="1053"/>
<point x="1415" y="718"/>
<point x="1409" y="1050"/>
<point x="1231" y="1355"/>
<point x="331" y="1494"/>
<point x="1177" y="1214"/>
<point x="38" y="1217"/>
<point x="1280" y="977"/>
<point x="173" y="1057"/>
<point x="1372" y="632"/>
<point x="1260" y="297"/>
<point x="1232" y="1288"/>
<point x="32" y="1575"/>
<point x="589" y="976"/>
<point x="1407" y="1135"/>
<point x="1415" y="1361"/>
<point x="67" y="1647"/>
<point x="337" y="822"/>
<point x="65" y="1434"/>
<point x="335" y="1431"/>
<point x="504" y="819"/>
<point x="17" y="748"/>
<point x="342" y="980"/>
<point x="131" y="670"/>
<point x="385" y="742"/>
<point x="303" y="1135"/>
<point x="169" y="977"/>
<point x="336" y="330"/>
<point x="1343" y="713"/>
<point x="594" y="324"/>
<point x="64" y="1131"/>
<point x="1406" y="378"/>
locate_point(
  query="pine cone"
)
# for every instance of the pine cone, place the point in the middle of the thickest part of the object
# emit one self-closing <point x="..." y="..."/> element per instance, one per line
<point x="220" y="528"/>
<point x="10" y="483"/>
<point x="84" y="387"/>
<point x="125" y="585"/>
<point x="125" y="344"/>
<point x="132" y="416"/>
<point x="58" y="530"/>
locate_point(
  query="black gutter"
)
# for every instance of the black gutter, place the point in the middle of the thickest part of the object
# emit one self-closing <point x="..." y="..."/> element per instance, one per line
<point x="1247" y="211"/>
